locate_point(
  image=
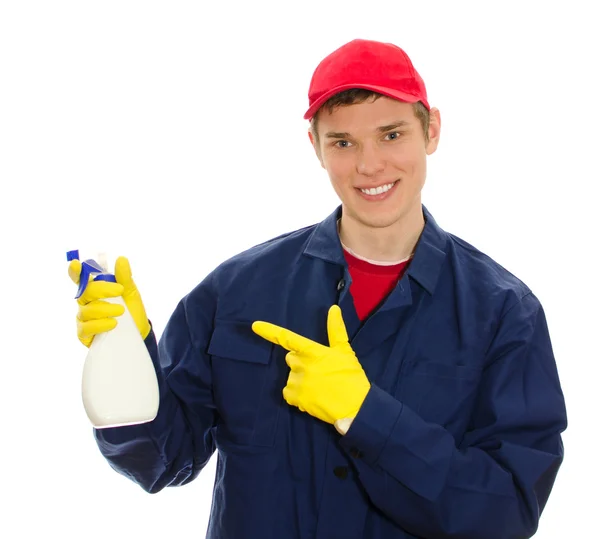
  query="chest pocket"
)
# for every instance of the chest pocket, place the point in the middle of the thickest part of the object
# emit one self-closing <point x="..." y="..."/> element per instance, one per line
<point x="245" y="384"/>
<point x="441" y="393"/>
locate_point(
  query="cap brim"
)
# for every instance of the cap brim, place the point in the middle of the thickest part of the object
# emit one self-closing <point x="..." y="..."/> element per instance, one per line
<point x="394" y="94"/>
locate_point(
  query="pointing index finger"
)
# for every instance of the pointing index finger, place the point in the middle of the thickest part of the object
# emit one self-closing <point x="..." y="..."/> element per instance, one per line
<point x="283" y="337"/>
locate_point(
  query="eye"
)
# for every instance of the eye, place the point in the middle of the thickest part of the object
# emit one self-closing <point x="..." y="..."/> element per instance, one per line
<point x="341" y="144"/>
<point x="393" y="135"/>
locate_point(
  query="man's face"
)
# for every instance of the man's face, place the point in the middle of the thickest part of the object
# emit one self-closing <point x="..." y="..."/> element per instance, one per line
<point x="373" y="145"/>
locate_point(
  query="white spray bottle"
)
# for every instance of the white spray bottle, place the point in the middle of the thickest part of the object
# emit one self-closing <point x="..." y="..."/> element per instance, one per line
<point x="119" y="384"/>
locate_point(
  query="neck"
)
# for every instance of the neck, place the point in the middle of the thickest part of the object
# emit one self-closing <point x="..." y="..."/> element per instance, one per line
<point x="393" y="243"/>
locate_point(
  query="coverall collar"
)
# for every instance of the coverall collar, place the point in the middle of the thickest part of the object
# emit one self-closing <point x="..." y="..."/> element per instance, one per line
<point x="425" y="267"/>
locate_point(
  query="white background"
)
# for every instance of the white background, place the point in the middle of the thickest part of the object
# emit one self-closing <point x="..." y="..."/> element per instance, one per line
<point x="173" y="134"/>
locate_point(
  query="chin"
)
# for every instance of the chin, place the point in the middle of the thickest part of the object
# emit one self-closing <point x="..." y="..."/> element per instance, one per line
<point x="380" y="220"/>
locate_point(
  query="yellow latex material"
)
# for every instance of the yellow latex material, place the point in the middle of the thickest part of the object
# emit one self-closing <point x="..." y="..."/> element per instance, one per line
<point x="97" y="316"/>
<point x="328" y="382"/>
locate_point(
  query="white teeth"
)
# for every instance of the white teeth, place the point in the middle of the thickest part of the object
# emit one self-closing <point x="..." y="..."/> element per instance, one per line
<point x="378" y="190"/>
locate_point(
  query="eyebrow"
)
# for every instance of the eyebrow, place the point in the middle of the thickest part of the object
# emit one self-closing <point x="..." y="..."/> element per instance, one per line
<point x="381" y="129"/>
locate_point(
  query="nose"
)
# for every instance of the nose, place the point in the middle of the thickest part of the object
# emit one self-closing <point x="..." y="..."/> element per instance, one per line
<point x="370" y="160"/>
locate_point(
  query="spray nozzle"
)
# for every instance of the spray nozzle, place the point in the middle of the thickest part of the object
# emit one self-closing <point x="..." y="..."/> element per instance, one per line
<point x="97" y="269"/>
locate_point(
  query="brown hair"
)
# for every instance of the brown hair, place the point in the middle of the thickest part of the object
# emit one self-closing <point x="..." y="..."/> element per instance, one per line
<point x="360" y="95"/>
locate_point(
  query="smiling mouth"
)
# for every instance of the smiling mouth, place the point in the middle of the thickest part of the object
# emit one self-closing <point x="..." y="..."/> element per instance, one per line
<point x="374" y="191"/>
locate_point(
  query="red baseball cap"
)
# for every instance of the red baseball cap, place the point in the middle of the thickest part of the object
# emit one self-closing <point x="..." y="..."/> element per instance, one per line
<point x="382" y="67"/>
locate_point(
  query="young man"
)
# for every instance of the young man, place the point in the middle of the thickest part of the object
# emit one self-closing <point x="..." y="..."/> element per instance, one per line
<point x="371" y="376"/>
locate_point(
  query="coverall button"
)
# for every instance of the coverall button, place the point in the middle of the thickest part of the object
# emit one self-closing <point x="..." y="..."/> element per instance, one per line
<point x="340" y="472"/>
<point x="341" y="284"/>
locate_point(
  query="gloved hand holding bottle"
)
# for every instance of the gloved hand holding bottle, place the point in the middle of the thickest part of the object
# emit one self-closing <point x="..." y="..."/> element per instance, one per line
<point x="95" y="315"/>
<point x="119" y="385"/>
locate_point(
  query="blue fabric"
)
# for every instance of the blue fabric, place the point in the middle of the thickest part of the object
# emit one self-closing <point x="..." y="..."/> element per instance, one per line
<point x="460" y="435"/>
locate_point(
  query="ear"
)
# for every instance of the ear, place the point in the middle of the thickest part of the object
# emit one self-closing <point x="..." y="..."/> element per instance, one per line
<point x="315" y="147"/>
<point x="435" y="126"/>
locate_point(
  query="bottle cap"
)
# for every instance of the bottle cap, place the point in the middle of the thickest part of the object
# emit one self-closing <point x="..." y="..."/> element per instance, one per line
<point x="90" y="267"/>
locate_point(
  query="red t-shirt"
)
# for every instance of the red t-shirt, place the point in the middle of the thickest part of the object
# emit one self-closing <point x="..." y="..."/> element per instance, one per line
<point x="371" y="283"/>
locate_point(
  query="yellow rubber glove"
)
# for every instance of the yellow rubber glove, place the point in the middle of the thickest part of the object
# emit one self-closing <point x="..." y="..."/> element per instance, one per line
<point x="328" y="382"/>
<point x="97" y="316"/>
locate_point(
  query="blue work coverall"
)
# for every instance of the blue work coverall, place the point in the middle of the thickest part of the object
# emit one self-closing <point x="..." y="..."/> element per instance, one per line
<point x="459" y="436"/>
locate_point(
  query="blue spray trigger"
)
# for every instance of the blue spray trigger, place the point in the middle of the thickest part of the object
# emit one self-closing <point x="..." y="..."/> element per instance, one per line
<point x="106" y="277"/>
<point x="88" y="267"/>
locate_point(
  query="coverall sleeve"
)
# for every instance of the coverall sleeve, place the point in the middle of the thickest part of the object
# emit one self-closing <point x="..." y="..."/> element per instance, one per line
<point x="173" y="448"/>
<point x="495" y="482"/>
